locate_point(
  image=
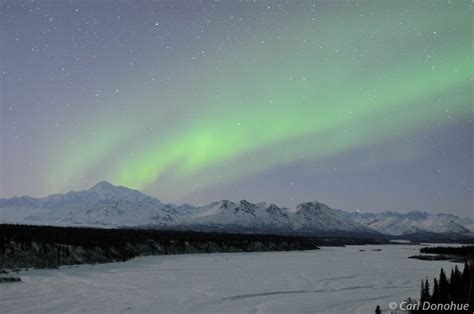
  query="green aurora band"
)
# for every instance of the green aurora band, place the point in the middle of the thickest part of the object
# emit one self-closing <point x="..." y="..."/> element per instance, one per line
<point x="209" y="143"/>
<point x="269" y="102"/>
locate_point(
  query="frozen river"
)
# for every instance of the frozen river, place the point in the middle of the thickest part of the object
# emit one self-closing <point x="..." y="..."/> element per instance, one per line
<point x="330" y="280"/>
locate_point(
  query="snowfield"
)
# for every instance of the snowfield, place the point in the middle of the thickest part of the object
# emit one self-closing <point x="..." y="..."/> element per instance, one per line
<point x="330" y="280"/>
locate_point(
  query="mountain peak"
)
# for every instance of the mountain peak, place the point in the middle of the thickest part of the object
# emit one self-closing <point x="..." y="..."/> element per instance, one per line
<point x="246" y="207"/>
<point x="246" y="203"/>
<point x="224" y="204"/>
<point x="103" y="185"/>
<point x="312" y="206"/>
<point x="108" y="190"/>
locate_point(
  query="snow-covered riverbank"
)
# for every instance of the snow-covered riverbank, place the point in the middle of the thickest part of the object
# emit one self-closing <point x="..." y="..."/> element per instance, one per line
<point x="351" y="279"/>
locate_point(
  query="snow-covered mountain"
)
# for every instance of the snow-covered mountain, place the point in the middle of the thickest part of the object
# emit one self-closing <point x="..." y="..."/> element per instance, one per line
<point x="307" y="218"/>
<point x="316" y="215"/>
<point x="106" y="205"/>
<point x="242" y="215"/>
<point x="102" y="205"/>
<point x="394" y="223"/>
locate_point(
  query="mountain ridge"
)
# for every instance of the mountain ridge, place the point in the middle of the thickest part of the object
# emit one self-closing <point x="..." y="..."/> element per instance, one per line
<point x="107" y="205"/>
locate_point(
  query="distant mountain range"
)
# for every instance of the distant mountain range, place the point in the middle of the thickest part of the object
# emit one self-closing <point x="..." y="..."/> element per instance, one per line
<point x="106" y="205"/>
<point x="394" y="223"/>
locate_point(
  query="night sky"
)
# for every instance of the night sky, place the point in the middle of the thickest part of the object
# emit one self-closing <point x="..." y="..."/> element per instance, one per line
<point x="361" y="105"/>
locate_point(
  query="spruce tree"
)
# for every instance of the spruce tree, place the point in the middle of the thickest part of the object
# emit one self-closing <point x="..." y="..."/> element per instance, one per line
<point x="425" y="291"/>
<point x="378" y="310"/>
<point x="455" y="285"/>
<point x="465" y="279"/>
<point x="435" y="295"/>
<point x="443" y="287"/>
<point x="470" y="288"/>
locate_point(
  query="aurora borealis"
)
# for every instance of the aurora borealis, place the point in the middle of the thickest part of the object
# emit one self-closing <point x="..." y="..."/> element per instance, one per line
<point x="361" y="104"/>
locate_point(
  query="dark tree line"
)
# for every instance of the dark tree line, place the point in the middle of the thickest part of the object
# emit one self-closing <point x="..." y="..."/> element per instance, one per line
<point x="47" y="246"/>
<point x="463" y="250"/>
<point x="24" y="235"/>
<point x="93" y="237"/>
<point x="458" y="288"/>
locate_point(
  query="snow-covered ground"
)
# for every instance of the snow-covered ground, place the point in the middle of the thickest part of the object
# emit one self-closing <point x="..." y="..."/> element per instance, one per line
<point x="330" y="280"/>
